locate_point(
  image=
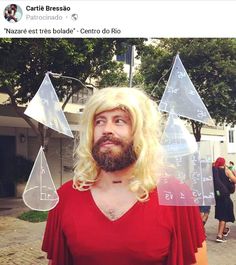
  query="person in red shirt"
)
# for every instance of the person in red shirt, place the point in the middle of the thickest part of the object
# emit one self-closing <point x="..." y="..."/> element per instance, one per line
<point x="224" y="180"/>
<point x="109" y="213"/>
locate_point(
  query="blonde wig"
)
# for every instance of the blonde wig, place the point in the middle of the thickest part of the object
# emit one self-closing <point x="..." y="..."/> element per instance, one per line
<point x="145" y="121"/>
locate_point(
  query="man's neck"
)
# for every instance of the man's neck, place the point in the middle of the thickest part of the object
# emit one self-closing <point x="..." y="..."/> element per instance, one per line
<point x="114" y="179"/>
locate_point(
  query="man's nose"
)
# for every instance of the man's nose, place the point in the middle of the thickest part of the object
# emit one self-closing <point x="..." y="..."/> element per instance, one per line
<point x="108" y="128"/>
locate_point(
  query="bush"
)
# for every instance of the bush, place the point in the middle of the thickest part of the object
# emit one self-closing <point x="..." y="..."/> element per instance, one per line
<point x="34" y="216"/>
<point x="21" y="168"/>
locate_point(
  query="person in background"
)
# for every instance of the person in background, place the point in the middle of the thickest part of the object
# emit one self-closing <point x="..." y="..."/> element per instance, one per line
<point x="205" y="211"/>
<point x="232" y="167"/>
<point x="109" y="213"/>
<point x="223" y="178"/>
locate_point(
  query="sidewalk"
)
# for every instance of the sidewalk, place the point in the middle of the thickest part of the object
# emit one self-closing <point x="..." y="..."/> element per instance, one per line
<point x="21" y="241"/>
<point x="221" y="253"/>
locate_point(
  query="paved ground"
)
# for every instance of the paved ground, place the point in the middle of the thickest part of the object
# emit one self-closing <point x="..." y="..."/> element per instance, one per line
<point x="221" y="253"/>
<point x="20" y="241"/>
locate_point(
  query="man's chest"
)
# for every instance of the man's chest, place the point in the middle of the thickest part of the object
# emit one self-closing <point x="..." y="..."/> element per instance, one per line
<point x="136" y="234"/>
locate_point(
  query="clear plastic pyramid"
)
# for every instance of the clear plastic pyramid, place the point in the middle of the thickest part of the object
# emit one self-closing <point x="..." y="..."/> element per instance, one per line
<point x="187" y="180"/>
<point x="45" y="108"/>
<point x="181" y="97"/>
<point x="202" y="177"/>
<point x="40" y="193"/>
<point x="176" y="139"/>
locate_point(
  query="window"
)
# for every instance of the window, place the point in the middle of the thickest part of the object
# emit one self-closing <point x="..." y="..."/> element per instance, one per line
<point x="120" y="58"/>
<point x="82" y="95"/>
<point x="126" y="57"/>
<point x="231" y="136"/>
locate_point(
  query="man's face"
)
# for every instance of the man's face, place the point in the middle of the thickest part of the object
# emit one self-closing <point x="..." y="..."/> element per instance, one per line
<point x="113" y="140"/>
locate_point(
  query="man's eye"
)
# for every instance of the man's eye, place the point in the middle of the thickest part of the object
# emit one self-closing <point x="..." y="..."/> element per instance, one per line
<point x="99" y="122"/>
<point x="120" y="121"/>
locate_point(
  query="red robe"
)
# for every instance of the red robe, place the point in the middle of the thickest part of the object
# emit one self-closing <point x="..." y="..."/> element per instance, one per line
<point x="78" y="233"/>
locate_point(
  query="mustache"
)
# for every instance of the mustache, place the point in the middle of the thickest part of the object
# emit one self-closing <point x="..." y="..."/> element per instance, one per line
<point x="109" y="138"/>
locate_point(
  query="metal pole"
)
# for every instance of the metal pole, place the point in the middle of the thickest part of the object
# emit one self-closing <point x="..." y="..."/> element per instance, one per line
<point x="56" y="75"/>
<point x="131" y="66"/>
<point x="61" y="163"/>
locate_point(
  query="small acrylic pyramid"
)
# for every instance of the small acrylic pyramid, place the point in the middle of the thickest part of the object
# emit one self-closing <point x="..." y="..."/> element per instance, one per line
<point x="202" y="180"/>
<point x="181" y="97"/>
<point x="187" y="180"/>
<point x="40" y="193"/>
<point x="176" y="139"/>
<point x="45" y="108"/>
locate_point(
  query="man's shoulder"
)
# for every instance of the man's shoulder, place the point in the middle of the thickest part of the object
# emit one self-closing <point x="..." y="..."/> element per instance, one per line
<point x="67" y="191"/>
<point x="175" y="207"/>
<point x="66" y="187"/>
<point x="70" y="199"/>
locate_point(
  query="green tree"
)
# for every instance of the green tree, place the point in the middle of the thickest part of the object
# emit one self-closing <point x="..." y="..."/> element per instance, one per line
<point x="24" y="63"/>
<point x="211" y="65"/>
<point x="138" y="79"/>
<point x="114" y="76"/>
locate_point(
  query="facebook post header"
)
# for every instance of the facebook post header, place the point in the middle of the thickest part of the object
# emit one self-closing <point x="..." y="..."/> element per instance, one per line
<point x="71" y="19"/>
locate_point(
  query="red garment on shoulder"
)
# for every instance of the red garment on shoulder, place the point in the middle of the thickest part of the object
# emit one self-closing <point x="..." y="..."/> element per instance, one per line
<point x="78" y="233"/>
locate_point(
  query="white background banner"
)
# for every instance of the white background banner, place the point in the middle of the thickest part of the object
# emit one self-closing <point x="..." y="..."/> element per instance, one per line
<point x="70" y="19"/>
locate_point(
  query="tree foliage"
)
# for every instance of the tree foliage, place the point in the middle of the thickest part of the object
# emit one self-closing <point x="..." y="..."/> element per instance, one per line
<point x="114" y="76"/>
<point x="24" y="63"/>
<point x="211" y="65"/>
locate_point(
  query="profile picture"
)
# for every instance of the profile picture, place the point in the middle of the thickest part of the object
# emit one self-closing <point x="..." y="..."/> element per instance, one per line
<point x="13" y="13"/>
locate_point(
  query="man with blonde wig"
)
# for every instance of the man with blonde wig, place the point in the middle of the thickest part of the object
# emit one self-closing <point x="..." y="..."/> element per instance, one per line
<point x="109" y="213"/>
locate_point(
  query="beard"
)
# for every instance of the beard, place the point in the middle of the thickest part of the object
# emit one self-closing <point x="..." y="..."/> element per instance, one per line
<point x="112" y="160"/>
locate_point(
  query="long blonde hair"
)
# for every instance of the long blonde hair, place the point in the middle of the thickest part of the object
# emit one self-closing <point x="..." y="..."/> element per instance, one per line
<point x="145" y="128"/>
